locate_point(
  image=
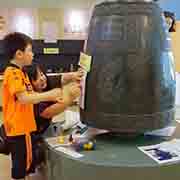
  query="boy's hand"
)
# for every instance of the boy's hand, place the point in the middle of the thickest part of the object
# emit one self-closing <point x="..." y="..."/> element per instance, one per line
<point x="77" y="76"/>
<point x="71" y="93"/>
<point x="35" y="97"/>
<point x="74" y="90"/>
<point x="72" y="76"/>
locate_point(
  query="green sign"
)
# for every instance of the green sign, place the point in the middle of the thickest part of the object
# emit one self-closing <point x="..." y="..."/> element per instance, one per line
<point x="51" y="50"/>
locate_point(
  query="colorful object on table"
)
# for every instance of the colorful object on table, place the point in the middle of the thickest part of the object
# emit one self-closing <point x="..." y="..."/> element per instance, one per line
<point x="81" y="130"/>
<point x="84" y="145"/>
<point x="70" y="138"/>
<point x="61" y="139"/>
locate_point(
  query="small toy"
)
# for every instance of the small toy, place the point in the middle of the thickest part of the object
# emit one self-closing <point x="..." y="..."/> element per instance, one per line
<point x="71" y="138"/>
<point x="61" y="139"/>
<point x="84" y="145"/>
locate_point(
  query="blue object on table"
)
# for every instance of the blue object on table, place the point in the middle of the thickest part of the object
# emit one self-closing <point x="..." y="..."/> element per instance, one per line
<point x="163" y="155"/>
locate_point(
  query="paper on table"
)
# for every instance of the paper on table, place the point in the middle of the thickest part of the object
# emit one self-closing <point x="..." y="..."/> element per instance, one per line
<point x="92" y="132"/>
<point x="165" y="152"/>
<point x="72" y="118"/>
<point x="54" y="142"/>
<point x="69" y="152"/>
<point x="167" y="131"/>
<point x="89" y="133"/>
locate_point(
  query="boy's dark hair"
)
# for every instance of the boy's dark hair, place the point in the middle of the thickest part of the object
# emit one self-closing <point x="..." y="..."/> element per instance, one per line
<point x="15" y="41"/>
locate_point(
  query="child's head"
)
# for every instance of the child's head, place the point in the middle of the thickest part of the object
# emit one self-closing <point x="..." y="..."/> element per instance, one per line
<point x="18" y="46"/>
<point x="170" y="20"/>
<point x="37" y="77"/>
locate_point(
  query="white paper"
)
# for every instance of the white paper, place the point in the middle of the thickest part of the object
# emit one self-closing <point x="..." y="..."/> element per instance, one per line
<point x="89" y="133"/>
<point x="58" y="118"/>
<point x="92" y="132"/>
<point x="53" y="142"/>
<point x="85" y="62"/>
<point x="50" y="31"/>
<point x="167" y="132"/>
<point x="69" y="152"/>
<point x="83" y="91"/>
<point x="157" y="152"/>
<point x="72" y="118"/>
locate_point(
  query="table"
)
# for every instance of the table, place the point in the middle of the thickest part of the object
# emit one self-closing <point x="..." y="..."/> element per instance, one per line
<point x="115" y="158"/>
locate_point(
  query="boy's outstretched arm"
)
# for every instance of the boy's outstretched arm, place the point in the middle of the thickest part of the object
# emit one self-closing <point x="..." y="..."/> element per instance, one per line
<point x="34" y="97"/>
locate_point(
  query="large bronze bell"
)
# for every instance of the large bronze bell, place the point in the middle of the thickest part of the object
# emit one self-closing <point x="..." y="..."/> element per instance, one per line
<point x="131" y="86"/>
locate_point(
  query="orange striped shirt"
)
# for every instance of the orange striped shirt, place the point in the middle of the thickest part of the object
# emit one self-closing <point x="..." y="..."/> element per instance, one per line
<point x="18" y="117"/>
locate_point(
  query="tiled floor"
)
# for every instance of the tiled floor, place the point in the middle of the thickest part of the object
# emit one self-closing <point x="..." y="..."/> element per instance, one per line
<point x="4" y="167"/>
<point x="4" y="164"/>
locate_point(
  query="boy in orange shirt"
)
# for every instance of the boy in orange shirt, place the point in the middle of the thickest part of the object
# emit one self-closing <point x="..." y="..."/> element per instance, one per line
<point x="18" y="100"/>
